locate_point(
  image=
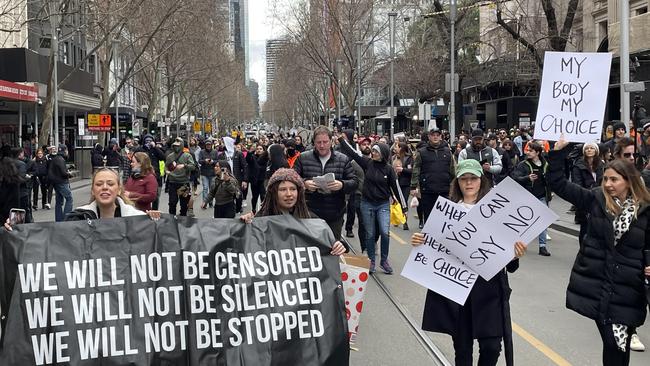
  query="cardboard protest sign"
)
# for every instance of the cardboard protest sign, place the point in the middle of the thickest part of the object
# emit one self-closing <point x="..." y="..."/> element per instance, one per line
<point x="484" y="238"/>
<point x="178" y="292"/>
<point x="432" y="265"/>
<point x="573" y="96"/>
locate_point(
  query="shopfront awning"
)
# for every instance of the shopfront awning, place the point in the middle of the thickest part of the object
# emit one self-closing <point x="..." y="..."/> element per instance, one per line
<point x="18" y="92"/>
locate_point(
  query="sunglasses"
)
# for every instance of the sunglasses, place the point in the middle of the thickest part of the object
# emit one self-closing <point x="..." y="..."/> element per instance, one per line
<point x="629" y="155"/>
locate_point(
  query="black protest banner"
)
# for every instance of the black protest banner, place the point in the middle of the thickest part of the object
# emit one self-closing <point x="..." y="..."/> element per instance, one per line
<point x="172" y="292"/>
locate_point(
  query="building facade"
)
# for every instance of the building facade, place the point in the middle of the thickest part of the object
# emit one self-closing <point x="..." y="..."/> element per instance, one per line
<point x="24" y="56"/>
<point x="274" y="48"/>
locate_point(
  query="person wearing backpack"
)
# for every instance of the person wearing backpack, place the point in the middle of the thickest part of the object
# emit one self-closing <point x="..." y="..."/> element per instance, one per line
<point x="179" y="166"/>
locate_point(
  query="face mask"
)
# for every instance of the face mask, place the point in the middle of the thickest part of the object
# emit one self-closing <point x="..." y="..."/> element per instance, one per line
<point x="177" y="149"/>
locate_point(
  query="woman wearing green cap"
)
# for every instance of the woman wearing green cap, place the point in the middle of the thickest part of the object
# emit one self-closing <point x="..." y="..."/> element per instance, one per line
<point x="486" y="313"/>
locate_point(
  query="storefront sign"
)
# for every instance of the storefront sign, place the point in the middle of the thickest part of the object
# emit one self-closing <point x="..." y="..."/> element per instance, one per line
<point x="20" y="92"/>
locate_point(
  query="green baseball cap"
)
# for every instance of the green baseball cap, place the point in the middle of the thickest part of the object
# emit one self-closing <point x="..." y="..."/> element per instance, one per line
<point x="469" y="166"/>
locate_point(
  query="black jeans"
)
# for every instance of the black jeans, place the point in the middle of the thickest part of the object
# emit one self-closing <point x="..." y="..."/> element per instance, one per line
<point x="427" y="201"/>
<point x="26" y="204"/>
<point x="362" y="228"/>
<point x="45" y="192"/>
<point x="226" y="211"/>
<point x="351" y="211"/>
<point x="336" y="226"/>
<point x="174" y="199"/>
<point x="612" y="356"/>
<point x="259" y="193"/>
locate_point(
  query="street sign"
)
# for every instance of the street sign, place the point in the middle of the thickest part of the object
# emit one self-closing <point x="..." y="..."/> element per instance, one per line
<point x="448" y="82"/>
<point x="634" y="87"/>
<point x="197" y="126"/>
<point x="208" y="126"/>
<point x="136" y="127"/>
<point x="99" y="122"/>
<point x="81" y="125"/>
<point x="93" y="120"/>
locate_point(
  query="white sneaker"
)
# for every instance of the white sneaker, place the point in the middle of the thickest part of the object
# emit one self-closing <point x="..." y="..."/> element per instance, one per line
<point x="635" y="344"/>
<point x="47" y="206"/>
<point x="548" y="237"/>
<point x="244" y="204"/>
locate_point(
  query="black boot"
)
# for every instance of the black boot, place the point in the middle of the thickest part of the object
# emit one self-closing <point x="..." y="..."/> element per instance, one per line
<point x="406" y="226"/>
<point x="544" y="252"/>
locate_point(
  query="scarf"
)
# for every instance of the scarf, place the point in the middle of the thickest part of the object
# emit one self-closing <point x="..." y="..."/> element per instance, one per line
<point x="621" y="225"/>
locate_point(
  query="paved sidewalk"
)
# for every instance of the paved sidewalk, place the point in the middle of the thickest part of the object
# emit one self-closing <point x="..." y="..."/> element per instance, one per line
<point x="565" y="223"/>
<point x="45" y="215"/>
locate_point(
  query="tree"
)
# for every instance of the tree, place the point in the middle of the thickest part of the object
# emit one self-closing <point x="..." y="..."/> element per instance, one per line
<point x="328" y="31"/>
<point x="525" y="28"/>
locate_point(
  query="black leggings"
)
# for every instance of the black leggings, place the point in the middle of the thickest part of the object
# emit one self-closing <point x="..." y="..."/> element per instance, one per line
<point x="45" y="192"/>
<point x="612" y="356"/>
<point x="489" y="350"/>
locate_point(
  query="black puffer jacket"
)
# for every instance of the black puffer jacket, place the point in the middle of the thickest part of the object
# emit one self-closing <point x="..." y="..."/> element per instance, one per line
<point x="581" y="175"/>
<point x="607" y="282"/>
<point x="328" y="206"/>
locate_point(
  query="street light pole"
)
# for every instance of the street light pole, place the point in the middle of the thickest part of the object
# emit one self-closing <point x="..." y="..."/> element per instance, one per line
<point x="116" y="56"/>
<point x="391" y="19"/>
<point x="624" y="52"/>
<point x="338" y="87"/>
<point x="273" y="108"/>
<point x="55" y="45"/>
<point x="358" y="120"/>
<point x="452" y="76"/>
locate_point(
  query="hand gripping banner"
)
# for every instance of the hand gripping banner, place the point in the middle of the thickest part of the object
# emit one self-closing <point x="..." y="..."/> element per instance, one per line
<point x="132" y="291"/>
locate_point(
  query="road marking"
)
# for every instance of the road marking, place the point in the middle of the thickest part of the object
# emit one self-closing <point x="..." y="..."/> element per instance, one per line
<point x="546" y="350"/>
<point x="397" y="238"/>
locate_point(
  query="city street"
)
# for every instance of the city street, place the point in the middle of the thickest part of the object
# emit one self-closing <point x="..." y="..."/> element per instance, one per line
<point x="545" y="332"/>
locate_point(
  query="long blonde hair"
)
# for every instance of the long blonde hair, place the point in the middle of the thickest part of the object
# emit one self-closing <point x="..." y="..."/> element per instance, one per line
<point x="636" y="186"/>
<point x="120" y="193"/>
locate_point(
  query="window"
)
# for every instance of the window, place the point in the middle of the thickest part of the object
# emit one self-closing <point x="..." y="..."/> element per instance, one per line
<point x="64" y="53"/>
<point x="641" y="11"/>
<point x="91" y="64"/>
<point x="602" y="30"/>
<point x="82" y="54"/>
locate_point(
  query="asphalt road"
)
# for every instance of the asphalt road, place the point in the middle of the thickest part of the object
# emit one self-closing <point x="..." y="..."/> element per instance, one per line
<point x="545" y="332"/>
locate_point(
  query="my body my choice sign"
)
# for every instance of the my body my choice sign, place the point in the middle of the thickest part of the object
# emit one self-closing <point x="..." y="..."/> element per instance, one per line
<point x="186" y="292"/>
<point x="573" y="96"/>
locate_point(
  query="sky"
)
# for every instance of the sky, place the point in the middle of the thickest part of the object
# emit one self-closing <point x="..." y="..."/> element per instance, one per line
<point x="261" y="26"/>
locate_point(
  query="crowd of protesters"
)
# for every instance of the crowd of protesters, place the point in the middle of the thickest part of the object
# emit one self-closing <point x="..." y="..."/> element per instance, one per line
<point x="343" y="177"/>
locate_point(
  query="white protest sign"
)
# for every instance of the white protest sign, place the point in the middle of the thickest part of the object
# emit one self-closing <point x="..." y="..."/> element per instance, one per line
<point x="573" y="96"/>
<point x="432" y="265"/>
<point x="484" y="238"/>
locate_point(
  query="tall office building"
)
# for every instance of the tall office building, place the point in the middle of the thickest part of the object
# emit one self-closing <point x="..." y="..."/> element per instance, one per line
<point x="254" y="89"/>
<point x="238" y="23"/>
<point x="273" y="49"/>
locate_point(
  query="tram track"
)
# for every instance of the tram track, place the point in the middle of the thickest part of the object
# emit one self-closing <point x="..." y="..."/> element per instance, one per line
<point x="427" y="344"/>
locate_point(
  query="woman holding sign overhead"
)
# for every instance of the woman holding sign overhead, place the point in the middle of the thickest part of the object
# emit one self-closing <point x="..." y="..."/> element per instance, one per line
<point x="607" y="279"/>
<point x="485" y="316"/>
